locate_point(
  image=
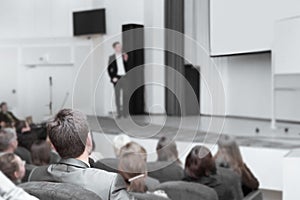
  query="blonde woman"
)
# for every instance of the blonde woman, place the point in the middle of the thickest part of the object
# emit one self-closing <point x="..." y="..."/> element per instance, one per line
<point x="133" y="168"/>
<point x="229" y="156"/>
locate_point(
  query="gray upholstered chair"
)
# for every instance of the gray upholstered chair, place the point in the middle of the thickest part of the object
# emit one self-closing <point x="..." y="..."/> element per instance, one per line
<point x="145" y="196"/>
<point x="180" y="190"/>
<point x="255" y="195"/>
<point x="165" y="171"/>
<point x="107" y="164"/>
<point x="58" y="191"/>
<point x="231" y="179"/>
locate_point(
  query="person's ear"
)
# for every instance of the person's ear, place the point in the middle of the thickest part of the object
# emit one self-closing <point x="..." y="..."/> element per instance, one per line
<point x="16" y="175"/>
<point x="89" y="143"/>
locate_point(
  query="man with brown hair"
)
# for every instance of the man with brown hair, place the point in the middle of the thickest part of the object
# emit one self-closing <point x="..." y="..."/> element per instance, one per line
<point x="70" y="135"/>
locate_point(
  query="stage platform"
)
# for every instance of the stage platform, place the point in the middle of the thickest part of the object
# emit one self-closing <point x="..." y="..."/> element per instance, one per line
<point x="248" y="132"/>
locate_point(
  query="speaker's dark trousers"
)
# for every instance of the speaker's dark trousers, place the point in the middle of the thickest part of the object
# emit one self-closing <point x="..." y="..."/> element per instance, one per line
<point x="122" y="96"/>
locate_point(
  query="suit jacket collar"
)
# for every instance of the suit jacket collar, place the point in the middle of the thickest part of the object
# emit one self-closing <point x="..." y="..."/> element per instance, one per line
<point x="74" y="162"/>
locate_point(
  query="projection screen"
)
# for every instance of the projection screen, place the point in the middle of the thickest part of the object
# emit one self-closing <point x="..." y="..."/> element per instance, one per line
<point x="246" y="26"/>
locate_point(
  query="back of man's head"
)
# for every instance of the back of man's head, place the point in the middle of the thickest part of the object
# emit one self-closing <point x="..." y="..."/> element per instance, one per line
<point x="7" y="137"/>
<point x="68" y="132"/>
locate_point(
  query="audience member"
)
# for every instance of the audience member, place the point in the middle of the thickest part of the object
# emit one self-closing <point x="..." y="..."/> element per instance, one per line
<point x="133" y="168"/>
<point x="229" y="156"/>
<point x="200" y="167"/>
<point x="13" y="167"/>
<point x="40" y="153"/>
<point x="120" y="141"/>
<point x="8" y="141"/>
<point x="166" y="150"/>
<point x="9" y="191"/>
<point x="7" y="118"/>
<point x="168" y="166"/>
<point x="26" y="136"/>
<point x="9" y="144"/>
<point x="22" y="126"/>
<point x="70" y="135"/>
<point x="133" y="147"/>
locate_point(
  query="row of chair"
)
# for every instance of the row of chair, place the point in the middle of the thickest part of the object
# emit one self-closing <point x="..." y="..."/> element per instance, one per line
<point x="176" y="190"/>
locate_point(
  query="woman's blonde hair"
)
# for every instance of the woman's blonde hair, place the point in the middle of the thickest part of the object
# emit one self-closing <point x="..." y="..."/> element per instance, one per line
<point x="133" y="168"/>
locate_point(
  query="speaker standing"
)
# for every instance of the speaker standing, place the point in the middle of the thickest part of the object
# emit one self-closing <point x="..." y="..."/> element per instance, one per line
<point x="117" y="69"/>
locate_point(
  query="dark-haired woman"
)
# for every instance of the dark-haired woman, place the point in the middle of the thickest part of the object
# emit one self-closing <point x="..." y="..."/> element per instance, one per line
<point x="200" y="168"/>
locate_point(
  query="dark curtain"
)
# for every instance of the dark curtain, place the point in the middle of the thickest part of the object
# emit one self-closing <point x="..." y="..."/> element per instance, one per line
<point x="133" y="45"/>
<point x="174" y="52"/>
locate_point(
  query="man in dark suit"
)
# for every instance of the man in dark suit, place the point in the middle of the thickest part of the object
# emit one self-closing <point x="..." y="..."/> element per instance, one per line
<point x="70" y="135"/>
<point x="117" y="69"/>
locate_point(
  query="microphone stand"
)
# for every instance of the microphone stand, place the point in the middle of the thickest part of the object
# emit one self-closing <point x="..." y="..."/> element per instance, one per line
<point x="50" y="95"/>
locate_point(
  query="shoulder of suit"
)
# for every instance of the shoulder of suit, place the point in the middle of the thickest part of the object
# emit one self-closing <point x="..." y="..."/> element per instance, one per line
<point x="101" y="172"/>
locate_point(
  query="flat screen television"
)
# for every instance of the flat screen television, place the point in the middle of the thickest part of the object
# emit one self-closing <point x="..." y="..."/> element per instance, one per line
<point x="89" y="22"/>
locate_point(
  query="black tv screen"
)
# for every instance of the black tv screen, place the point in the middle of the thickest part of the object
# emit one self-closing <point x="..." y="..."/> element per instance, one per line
<point x="89" y="22"/>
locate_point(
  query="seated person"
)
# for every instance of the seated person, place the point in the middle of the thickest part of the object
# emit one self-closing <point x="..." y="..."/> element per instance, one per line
<point x="166" y="150"/>
<point x="168" y="167"/>
<point x="70" y="135"/>
<point x="13" y="167"/>
<point x="9" y="144"/>
<point x="8" y="141"/>
<point x="40" y="153"/>
<point x="120" y="141"/>
<point x="111" y="164"/>
<point x="200" y="167"/>
<point x="9" y="191"/>
<point x="25" y="135"/>
<point x="133" y="169"/>
<point x="133" y="147"/>
<point x="229" y="156"/>
<point x="7" y="118"/>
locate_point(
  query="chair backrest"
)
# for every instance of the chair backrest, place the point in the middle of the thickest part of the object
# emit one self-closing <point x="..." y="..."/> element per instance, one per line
<point x="147" y="196"/>
<point x="107" y="164"/>
<point x="255" y="195"/>
<point x="58" y="191"/>
<point x="231" y="179"/>
<point x="165" y="171"/>
<point x="178" y="190"/>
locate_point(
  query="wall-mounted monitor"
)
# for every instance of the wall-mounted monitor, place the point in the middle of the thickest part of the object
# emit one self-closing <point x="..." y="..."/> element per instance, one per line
<point x="89" y="22"/>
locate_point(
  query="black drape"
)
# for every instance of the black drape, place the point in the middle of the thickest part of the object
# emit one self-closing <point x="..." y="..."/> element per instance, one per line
<point x="174" y="46"/>
<point x="133" y="45"/>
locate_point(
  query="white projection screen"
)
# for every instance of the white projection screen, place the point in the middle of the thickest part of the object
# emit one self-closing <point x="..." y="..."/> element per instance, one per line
<point x="286" y="47"/>
<point x="245" y="26"/>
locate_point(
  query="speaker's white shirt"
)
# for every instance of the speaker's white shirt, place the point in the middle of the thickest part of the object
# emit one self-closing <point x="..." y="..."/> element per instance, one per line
<point x="120" y="65"/>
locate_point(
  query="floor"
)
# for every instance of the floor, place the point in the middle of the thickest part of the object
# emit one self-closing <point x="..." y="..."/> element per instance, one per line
<point x="248" y="132"/>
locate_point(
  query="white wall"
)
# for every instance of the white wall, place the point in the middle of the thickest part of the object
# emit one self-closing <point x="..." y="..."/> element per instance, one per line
<point x="246" y="79"/>
<point x="47" y="23"/>
<point x="249" y="85"/>
<point x="118" y="12"/>
<point x="32" y="82"/>
<point x="154" y="57"/>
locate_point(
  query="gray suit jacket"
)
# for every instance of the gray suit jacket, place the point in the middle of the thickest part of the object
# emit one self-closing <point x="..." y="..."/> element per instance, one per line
<point x="8" y="190"/>
<point x="105" y="184"/>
